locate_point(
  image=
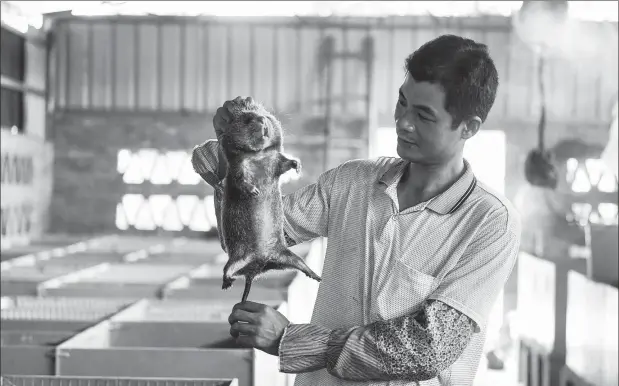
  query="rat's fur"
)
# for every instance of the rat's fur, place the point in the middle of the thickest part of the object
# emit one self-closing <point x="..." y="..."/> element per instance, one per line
<point x="251" y="211"/>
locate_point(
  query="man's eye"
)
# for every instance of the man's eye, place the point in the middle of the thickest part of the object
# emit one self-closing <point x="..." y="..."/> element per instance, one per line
<point x="401" y="101"/>
<point x="424" y="118"/>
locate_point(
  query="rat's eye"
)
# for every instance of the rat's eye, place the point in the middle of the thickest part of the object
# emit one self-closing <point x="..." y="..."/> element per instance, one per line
<point x="247" y="119"/>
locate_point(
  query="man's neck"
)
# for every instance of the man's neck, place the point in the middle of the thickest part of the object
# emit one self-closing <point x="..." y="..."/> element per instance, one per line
<point x="426" y="181"/>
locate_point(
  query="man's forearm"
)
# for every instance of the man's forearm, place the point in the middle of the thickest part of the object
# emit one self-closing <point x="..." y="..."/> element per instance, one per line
<point x="412" y="347"/>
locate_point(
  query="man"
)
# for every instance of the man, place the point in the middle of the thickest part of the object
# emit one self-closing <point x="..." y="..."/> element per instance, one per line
<point x="418" y="249"/>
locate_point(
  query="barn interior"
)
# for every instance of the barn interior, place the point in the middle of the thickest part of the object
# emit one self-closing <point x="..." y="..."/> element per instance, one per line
<point x="111" y="262"/>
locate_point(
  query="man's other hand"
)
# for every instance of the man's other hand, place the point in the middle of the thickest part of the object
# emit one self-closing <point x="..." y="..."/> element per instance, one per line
<point x="257" y="325"/>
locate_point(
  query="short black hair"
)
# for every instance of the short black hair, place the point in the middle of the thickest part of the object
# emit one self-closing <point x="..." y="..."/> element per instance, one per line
<point x="465" y="71"/>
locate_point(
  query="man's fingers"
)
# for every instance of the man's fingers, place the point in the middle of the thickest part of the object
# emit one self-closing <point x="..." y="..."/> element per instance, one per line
<point x="250" y="341"/>
<point x="249" y="306"/>
<point x="246" y="341"/>
<point x="239" y="315"/>
<point x="243" y="328"/>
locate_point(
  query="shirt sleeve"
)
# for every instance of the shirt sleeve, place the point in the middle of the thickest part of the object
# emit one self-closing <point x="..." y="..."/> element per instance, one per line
<point x="306" y="211"/>
<point x="475" y="282"/>
<point x="414" y="347"/>
<point x="205" y="161"/>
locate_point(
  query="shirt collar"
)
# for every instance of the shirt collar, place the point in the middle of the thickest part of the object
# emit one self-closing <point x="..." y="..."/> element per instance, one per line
<point x="445" y="203"/>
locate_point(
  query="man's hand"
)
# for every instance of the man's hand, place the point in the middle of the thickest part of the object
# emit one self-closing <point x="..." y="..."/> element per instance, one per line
<point x="222" y="117"/>
<point x="257" y="325"/>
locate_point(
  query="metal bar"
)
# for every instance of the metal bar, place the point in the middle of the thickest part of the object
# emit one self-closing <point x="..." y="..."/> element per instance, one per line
<point x="328" y="96"/>
<point x="499" y="23"/>
<point x="252" y="61"/>
<point x="113" y="67"/>
<point x="199" y="59"/>
<point x="321" y="103"/>
<point x="136" y="66"/>
<point x="48" y="95"/>
<point x="90" y="72"/>
<point x="159" y="46"/>
<point x="56" y="57"/>
<point x="181" y="66"/>
<point x="344" y="66"/>
<point x="275" y="68"/>
<point x="67" y="92"/>
<point x="229" y="58"/>
<point x="204" y="56"/>
<point x="391" y="53"/>
<point x="299" y="83"/>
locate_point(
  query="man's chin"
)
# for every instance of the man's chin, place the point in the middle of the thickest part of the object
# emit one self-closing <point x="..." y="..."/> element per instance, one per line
<point x="408" y="153"/>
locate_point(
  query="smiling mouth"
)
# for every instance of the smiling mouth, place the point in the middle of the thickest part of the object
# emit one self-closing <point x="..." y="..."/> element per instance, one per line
<point x="407" y="142"/>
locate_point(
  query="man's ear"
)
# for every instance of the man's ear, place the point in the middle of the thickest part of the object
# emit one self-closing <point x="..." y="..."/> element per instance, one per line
<point x="470" y="127"/>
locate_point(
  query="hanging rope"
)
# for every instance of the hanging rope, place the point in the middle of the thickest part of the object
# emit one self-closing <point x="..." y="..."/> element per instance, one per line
<point x="541" y="128"/>
<point x="539" y="168"/>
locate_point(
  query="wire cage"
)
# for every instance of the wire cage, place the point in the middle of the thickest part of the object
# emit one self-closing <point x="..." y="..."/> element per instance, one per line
<point x="156" y="338"/>
<point x="30" y="352"/>
<point x="179" y="251"/>
<point x="56" y="314"/>
<point x="47" y="248"/>
<point x="20" y="380"/>
<point x="114" y="280"/>
<point x="33" y="327"/>
<point x="23" y="279"/>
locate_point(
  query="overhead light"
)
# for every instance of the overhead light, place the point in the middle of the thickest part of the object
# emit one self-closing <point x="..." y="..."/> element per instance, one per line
<point x="540" y="24"/>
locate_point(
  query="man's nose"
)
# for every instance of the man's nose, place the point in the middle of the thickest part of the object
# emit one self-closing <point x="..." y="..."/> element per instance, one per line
<point x="403" y="123"/>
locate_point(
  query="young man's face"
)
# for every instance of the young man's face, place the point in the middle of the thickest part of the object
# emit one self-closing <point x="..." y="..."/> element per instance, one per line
<point x="423" y="126"/>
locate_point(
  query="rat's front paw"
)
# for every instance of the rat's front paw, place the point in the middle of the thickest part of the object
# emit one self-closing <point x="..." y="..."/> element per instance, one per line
<point x="254" y="191"/>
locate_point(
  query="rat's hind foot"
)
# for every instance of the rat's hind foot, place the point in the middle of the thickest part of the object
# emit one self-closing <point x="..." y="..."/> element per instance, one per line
<point x="296" y="165"/>
<point x="227" y="283"/>
<point x="286" y="259"/>
<point x="286" y="163"/>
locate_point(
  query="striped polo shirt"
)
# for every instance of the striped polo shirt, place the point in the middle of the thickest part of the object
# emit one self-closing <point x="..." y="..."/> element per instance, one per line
<point x="382" y="263"/>
<point x="458" y="247"/>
